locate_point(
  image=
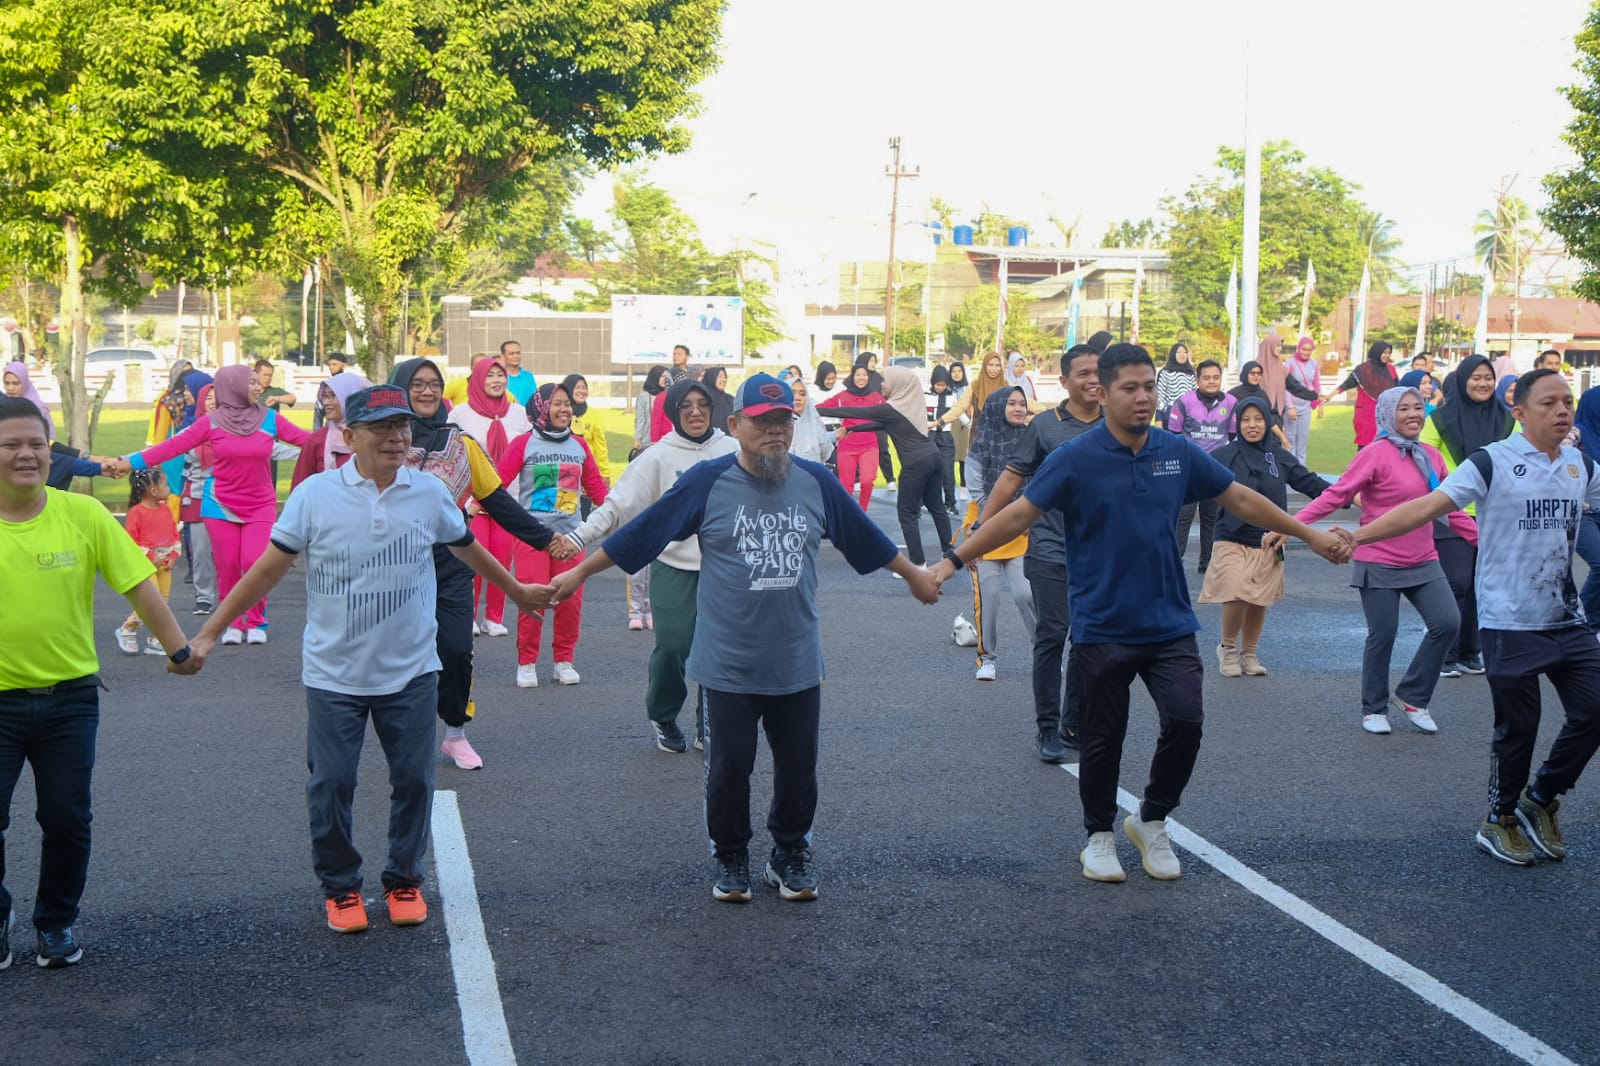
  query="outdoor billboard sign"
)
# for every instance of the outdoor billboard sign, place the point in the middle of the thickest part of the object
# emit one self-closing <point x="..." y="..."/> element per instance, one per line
<point x="644" y="329"/>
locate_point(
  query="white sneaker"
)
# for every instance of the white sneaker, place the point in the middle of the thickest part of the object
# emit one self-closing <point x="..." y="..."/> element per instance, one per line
<point x="233" y="636"/>
<point x="565" y="674"/>
<point x="1155" y="847"/>
<point x="256" y="636"/>
<point x="1100" y="858"/>
<point x="152" y="646"/>
<point x="528" y="675"/>
<point x="1376" y="723"/>
<point x="985" y="671"/>
<point x="128" y="641"/>
<point x="1417" y="716"/>
<point x="494" y="629"/>
<point x="476" y="629"/>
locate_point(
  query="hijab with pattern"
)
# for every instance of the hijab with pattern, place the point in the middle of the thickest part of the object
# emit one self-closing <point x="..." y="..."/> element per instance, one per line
<point x="1410" y="447"/>
<point x="539" y="412"/>
<point x="995" y="437"/>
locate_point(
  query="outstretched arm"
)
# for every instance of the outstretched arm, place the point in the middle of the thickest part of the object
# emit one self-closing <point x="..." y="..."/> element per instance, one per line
<point x="1012" y="521"/>
<point x="475" y="555"/>
<point x="259" y="580"/>
<point x="564" y="584"/>
<point x="153" y="611"/>
<point x="1406" y="517"/>
<point x="1256" y="509"/>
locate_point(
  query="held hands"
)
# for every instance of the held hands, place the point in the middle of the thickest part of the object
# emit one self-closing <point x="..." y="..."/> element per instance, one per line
<point x="115" y="467"/>
<point x="923" y="585"/>
<point x="561" y="549"/>
<point x="199" y="649"/>
<point x="564" y="586"/>
<point x="1334" y="545"/>
<point x="532" y="599"/>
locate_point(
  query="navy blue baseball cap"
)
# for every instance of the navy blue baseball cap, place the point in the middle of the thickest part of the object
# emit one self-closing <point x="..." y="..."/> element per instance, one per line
<point x="761" y="393"/>
<point x="376" y="404"/>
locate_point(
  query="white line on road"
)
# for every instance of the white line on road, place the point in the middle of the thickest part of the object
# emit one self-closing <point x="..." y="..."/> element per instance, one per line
<point x="483" y="1018"/>
<point x="1523" y="1045"/>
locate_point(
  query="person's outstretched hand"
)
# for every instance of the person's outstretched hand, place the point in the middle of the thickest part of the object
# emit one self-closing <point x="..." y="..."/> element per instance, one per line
<point x="532" y="599"/>
<point x="561" y="549"/>
<point x="199" y="649"/>
<point x="923" y="585"/>
<point x="564" y="586"/>
<point x="1332" y="545"/>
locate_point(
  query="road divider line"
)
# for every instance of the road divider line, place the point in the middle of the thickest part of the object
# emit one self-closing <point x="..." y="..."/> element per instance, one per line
<point x="483" y="1016"/>
<point x="1430" y="989"/>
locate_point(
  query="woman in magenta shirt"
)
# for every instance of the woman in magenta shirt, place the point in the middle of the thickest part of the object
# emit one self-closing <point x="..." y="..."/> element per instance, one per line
<point x="242" y="500"/>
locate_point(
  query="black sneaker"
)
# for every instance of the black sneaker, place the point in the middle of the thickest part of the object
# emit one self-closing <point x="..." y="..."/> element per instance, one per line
<point x="1051" y="749"/>
<point x="58" y="948"/>
<point x="670" y="738"/>
<point x="790" y="873"/>
<point x="699" y="726"/>
<point x="1472" y="664"/>
<point x="5" y="940"/>
<point x="202" y="608"/>
<point x="1069" y="738"/>
<point x="1450" y="669"/>
<point x="733" y="878"/>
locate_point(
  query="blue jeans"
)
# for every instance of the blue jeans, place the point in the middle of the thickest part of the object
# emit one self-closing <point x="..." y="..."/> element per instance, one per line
<point x="336" y="727"/>
<point x="55" y="734"/>
<point x="1589" y="551"/>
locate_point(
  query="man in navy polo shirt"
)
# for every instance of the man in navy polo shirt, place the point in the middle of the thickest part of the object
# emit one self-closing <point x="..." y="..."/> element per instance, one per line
<point x="1132" y="620"/>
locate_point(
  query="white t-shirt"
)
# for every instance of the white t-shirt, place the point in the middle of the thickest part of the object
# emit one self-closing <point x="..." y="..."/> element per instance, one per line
<point x="1527" y="532"/>
<point x="370" y="586"/>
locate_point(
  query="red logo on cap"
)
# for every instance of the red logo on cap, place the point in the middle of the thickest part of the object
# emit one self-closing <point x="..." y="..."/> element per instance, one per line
<point x="386" y="396"/>
<point x="772" y="392"/>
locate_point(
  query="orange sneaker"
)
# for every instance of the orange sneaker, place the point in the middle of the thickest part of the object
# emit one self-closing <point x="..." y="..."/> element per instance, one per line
<point x="406" y="905"/>
<point x="347" y="914"/>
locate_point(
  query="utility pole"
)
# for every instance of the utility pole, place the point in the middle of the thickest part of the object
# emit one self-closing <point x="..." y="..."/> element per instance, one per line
<point x="894" y="172"/>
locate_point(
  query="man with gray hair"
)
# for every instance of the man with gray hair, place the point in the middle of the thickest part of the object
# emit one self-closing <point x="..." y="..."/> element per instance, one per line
<point x="760" y="516"/>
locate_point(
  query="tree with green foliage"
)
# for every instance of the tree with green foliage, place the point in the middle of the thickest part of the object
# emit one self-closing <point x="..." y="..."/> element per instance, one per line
<point x="1507" y="234"/>
<point x="971" y="329"/>
<point x="1145" y="233"/>
<point x="1383" y="248"/>
<point x="1574" y="192"/>
<point x="1306" y="212"/>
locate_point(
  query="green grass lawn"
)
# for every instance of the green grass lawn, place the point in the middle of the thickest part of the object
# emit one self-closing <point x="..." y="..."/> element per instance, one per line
<point x="1332" y="441"/>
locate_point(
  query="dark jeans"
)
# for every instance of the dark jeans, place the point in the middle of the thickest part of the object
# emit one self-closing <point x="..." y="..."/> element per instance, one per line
<point x="336" y="726"/>
<point x="55" y="734"/>
<point x="1459" y="560"/>
<point x="791" y="723"/>
<point x="1050" y="632"/>
<point x="1571" y="659"/>
<point x="1209" y="511"/>
<point x="919" y="488"/>
<point x="947" y="466"/>
<point x="453" y="613"/>
<point x="1589" y="550"/>
<point x="1172" y="674"/>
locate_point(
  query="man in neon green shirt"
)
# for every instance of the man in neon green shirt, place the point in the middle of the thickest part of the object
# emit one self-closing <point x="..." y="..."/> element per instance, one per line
<point x="52" y="544"/>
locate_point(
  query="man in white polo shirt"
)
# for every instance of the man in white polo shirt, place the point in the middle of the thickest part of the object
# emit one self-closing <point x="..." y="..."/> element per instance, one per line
<point x="1530" y="493"/>
<point x="367" y="530"/>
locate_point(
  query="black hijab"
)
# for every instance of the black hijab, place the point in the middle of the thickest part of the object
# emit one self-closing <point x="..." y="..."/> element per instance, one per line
<point x="824" y="368"/>
<point x="570" y="383"/>
<point x="942" y="400"/>
<point x="721" y="402"/>
<point x="1172" y="360"/>
<point x="655" y="381"/>
<point x="431" y="434"/>
<point x="675" y="396"/>
<point x="1246" y="391"/>
<point x="1262" y="404"/>
<point x="1374" y="375"/>
<point x="868" y="389"/>
<point x="874" y="379"/>
<point x="1464" y="424"/>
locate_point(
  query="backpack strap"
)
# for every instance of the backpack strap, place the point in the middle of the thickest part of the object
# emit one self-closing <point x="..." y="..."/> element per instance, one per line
<point x="1485" y="464"/>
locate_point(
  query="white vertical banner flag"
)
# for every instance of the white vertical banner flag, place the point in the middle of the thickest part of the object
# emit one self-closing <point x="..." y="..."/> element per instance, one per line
<point x="1004" y="311"/>
<point x="1074" y="308"/>
<point x="1305" y="301"/>
<point x="1138" y="289"/>
<point x="1480" y="333"/>
<point x="1358" y="330"/>
<point x="1421" y="343"/>
<point x="1230" y="303"/>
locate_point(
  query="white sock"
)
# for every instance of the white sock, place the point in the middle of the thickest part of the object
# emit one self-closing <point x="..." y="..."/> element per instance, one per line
<point x="454" y="732"/>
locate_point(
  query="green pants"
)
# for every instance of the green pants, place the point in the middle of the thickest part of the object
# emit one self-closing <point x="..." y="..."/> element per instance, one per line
<point x="672" y="600"/>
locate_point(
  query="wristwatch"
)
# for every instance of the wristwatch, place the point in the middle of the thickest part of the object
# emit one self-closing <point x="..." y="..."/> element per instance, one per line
<point x="180" y="656"/>
<point x="954" y="559"/>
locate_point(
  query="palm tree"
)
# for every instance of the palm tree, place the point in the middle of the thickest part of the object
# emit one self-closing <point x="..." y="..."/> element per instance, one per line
<point x="1506" y="236"/>
<point x="1377" y="233"/>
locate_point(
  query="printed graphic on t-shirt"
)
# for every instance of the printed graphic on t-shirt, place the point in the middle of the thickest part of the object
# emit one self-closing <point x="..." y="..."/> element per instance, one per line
<point x="60" y="560"/>
<point x="380" y="585"/>
<point x="772" y="544"/>
<point x="555" y="487"/>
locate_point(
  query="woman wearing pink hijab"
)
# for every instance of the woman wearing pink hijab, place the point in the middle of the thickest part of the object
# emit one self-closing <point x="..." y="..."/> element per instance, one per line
<point x="243" y="501"/>
<point x="19" y="385"/>
<point x="1304" y="385"/>
<point x="491" y="418"/>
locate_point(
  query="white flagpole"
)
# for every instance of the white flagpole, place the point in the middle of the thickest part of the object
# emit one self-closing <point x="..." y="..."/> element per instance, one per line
<point x="1249" y="276"/>
<point x="1421" y="343"/>
<point x="1358" y="332"/>
<point x="1230" y="303"/>
<point x="1305" y="301"/>
<point x="1480" y="335"/>
<point x="1138" y="286"/>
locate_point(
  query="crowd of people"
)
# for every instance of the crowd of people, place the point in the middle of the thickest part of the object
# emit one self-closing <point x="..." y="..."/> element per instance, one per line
<point x="416" y="516"/>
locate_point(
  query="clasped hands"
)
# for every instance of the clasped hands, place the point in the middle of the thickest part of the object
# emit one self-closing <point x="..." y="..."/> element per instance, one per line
<point x="1334" y="545"/>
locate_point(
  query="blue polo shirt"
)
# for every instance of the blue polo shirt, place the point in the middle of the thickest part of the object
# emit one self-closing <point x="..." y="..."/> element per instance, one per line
<point x="1125" y="580"/>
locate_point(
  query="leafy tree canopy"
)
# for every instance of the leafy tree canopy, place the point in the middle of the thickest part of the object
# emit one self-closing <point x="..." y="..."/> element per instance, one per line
<point x="1575" y="192"/>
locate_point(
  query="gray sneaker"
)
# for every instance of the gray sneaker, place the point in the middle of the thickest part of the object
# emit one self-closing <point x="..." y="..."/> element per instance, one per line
<point x="58" y="948"/>
<point x="790" y="873"/>
<point x="733" y="878"/>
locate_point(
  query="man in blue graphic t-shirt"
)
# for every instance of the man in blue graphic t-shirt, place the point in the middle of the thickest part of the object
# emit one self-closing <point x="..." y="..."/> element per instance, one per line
<point x="1120" y="487"/>
<point x="760" y="516"/>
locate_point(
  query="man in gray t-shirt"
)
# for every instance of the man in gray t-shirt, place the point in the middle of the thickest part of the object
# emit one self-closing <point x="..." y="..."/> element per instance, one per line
<point x="760" y="516"/>
<point x="1530" y="491"/>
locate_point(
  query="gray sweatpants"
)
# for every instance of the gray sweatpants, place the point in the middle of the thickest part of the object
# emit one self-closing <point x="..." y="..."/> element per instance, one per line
<point x="986" y="582"/>
<point x="336" y="726"/>
<point x="205" y="564"/>
<point x="1437" y="605"/>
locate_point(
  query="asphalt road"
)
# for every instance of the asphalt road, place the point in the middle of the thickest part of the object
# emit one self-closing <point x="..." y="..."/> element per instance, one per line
<point x="953" y="926"/>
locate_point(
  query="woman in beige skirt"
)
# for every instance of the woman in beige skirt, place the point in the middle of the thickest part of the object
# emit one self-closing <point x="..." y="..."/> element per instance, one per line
<point x="1246" y="571"/>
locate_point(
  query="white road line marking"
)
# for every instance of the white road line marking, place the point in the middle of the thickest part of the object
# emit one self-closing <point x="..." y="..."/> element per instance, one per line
<point x="483" y="1018"/>
<point x="1430" y="989"/>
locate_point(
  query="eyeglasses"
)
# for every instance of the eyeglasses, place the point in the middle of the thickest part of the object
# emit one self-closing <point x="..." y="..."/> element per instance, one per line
<point x="688" y="406"/>
<point x="425" y="385"/>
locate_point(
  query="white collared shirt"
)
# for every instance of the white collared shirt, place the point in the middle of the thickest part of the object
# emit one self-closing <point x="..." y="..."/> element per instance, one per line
<point x="1527" y="533"/>
<point x="370" y="586"/>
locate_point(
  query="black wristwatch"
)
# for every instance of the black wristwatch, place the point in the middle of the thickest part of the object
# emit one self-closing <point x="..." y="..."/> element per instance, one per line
<point x="954" y="559"/>
<point x="180" y="656"/>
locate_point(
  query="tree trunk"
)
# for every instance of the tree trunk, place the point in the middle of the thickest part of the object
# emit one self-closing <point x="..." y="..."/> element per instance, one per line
<point x="75" y="326"/>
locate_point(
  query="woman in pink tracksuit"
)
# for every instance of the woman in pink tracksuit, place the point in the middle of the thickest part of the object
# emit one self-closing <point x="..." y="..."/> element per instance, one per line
<point x="242" y="500"/>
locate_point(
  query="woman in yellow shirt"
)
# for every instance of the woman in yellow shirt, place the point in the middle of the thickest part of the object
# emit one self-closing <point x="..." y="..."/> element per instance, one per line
<point x="1005" y="416"/>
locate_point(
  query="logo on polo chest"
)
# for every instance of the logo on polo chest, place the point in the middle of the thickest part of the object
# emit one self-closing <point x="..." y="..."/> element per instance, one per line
<point x="1166" y="467"/>
<point x="56" y="560"/>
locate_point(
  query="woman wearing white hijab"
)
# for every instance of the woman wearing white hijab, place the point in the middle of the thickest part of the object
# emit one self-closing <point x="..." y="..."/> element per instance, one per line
<point x="1017" y="374"/>
<point x="811" y="440"/>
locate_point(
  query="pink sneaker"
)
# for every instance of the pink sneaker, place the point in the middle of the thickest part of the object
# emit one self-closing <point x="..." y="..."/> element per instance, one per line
<point x="649" y="620"/>
<point x="459" y="749"/>
<point x="635" y="624"/>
